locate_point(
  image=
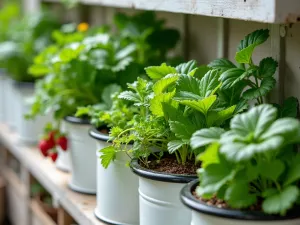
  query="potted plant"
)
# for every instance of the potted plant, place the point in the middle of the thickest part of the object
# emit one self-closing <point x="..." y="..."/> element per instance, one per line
<point x="8" y="14"/>
<point x="253" y="176"/>
<point x="151" y="39"/>
<point x="26" y="37"/>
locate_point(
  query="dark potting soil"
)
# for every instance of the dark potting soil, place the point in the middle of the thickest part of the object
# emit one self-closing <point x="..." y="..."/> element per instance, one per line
<point x="223" y="205"/>
<point x="169" y="164"/>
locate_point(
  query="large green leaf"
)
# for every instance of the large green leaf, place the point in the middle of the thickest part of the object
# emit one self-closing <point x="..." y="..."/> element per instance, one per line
<point x="201" y="105"/>
<point x="189" y="84"/>
<point x="157" y="72"/>
<point x="221" y="64"/>
<point x="237" y="195"/>
<point x="267" y="67"/>
<point x="293" y="173"/>
<point x="213" y="178"/>
<point x="186" y="68"/>
<point x="206" y="136"/>
<point x="217" y="117"/>
<point x="108" y="93"/>
<point x="161" y="85"/>
<point x="265" y="87"/>
<point x="182" y="130"/>
<point x="156" y="106"/>
<point x="231" y="77"/>
<point x="209" y="83"/>
<point x="271" y="169"/>
<point x="130" y="96"/>
<point x="209" y="156"/>
<point x="174" y="145"/>
<point x="282" y="201"/>
<point x="248" y="44"/>
<point x="289" y="108"/>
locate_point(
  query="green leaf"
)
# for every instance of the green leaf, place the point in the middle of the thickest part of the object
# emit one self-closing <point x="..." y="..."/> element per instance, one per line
<point x="266" y="86"/>
<point x="39" y="70"/>
<point x="210" y="156"/>
<point x="130" y="96"/>
<point x="290" y="108"/>
<point x="201" y="105"/>
<point x="156" y="106"/>
<point x="108" y="93"/>
<point x="288" y="128"/>
<point x="174" y="145"/>
<point x="158" y="72"/>
<point x="161" y="85"/>
<point x="221" y="64"/>
<point x="186" y="68"/>
<point x="189" y="84"/>
<point x="271" y="170"/>
<point x="200" y="72"/>
<point x="231" y="77"/>
<point x="108" y="154"/>
<point x="182" y="130"/>
<point x="206" y="136"/>
<point x="267" y="67"/>
<point x="212" y="178"/>
<point x="248" y="44"/>
<point x="209" y="83"/>
<point x="237" y="195"/>
<point x="293" y="173"/>
<point x="282" y="201"/>
<point x="216" y="118"/>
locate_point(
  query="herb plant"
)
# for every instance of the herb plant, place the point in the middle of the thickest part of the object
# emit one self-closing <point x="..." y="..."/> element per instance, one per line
<point x="255" y="161"/>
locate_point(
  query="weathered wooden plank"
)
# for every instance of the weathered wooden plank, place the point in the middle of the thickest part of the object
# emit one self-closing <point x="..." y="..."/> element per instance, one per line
<point x="266" y="11"/>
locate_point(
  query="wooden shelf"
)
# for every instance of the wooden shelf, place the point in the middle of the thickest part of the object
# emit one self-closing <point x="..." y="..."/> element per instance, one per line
<point x="79" y="206"/>
<point x="266" y="11"/>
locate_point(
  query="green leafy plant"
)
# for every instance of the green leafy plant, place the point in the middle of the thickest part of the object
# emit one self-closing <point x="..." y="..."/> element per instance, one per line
<point x="254" y="161"/>
<point x="247" y="80"/>
<point x="25" y="38"/>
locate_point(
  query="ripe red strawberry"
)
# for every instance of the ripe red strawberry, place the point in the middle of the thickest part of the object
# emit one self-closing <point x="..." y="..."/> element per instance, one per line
<point x="63" y="142"/>
<point x="44" y="147"/>
<point x="51" y="139"/>
<point x="54" y="156"/>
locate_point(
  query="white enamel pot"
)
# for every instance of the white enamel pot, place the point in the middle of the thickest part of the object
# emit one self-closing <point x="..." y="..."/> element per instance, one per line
<point x="203" y="214"/>
<point x="82" y="154"/>
<point x="28" y="130"/>
<point x="63" y="161"/>
<point x="117" y="188"/>
<point x="3" y="95"/>
<point x="11" y="103"/>
<point x="159" y="197"/>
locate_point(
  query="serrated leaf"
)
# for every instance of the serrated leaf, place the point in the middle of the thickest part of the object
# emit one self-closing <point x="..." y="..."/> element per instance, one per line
<point x="237" y="195"/>
<point x="201" y="105"/>
<point x="186" y="68"/>
<point x="108" y="154"/>
<point x="130" y="96"/>
<point x="267" y="67"/>
<point x="222" y="64"/>
<point x="213" y="178"/>
<point x="231" y="77"/>
<point x="209" y="156"/>
<point x="265" y="87"/>
<point x="190" y="84"/>
<point x="293" y="173"/>
<point x="200" y="72"/>
<point x="248" y="44"/>
<point x="206" y="136"/>
<point x="182" y="130"/>
<point x="174" y="145"/>
<point x="158" y="72"/>
<point x="216" y="118"/>
<point x="161" y="85"/>
<point x="209" y="83"/>
<point x="185" y="95"/>
<point x="282" y="201"/>
<point x="271" y="170"/>
<point x="108" y="93"/>
<point x="156" y="106"/>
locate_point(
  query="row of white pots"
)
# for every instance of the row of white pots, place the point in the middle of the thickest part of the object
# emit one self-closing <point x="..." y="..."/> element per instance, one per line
<point x="150" y="198"/>
<point x="14" y="105"/>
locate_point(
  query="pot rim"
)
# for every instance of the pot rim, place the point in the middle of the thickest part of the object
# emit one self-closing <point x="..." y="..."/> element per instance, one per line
<point x="76" y="120"/>
<point x="94" y="133"/>
<point x="159" y="176"/>
<point x="188" y="199"/>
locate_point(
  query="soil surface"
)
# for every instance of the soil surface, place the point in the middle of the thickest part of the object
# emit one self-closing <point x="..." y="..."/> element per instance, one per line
<point x="222" y="204"/>
<point x="169" y="164"/>
<point x="103" y="130"/>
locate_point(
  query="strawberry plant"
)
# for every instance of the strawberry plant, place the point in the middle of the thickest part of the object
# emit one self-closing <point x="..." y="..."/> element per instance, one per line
<point x="255" y="161"/>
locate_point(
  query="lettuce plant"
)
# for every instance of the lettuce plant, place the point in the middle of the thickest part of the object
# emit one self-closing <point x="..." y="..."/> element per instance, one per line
<point x="255" y="161"/>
